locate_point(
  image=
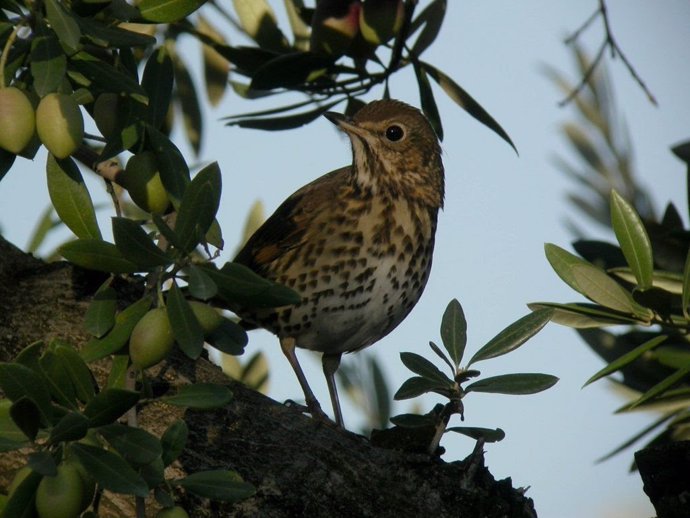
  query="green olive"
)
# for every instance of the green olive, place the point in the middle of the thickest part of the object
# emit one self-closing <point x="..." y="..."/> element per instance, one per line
<point x="17" y="120"/>
<point x="59" y="124"/>
<point x="19" y="477"/>
<point x="143" y="182"/>
<point x="60" y="496"/>
<point x="209" y="318"/>
<point x="152" y="339"/>
<point x="87" y="480"/>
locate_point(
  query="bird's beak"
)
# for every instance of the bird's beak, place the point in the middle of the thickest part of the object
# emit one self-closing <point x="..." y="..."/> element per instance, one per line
<point x="345" y="124"/>
<point x="336" y="118"/>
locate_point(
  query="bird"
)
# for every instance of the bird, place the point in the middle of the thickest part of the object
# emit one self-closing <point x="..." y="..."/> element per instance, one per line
<point x="356" y="244"/>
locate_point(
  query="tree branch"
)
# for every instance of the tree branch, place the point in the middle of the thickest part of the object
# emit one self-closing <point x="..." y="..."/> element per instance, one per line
<point x="615" y="49"/>
<point x="299" y="466"/>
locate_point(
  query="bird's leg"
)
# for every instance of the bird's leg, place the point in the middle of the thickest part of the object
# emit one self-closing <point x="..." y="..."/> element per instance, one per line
<point x="330" y="363"/>
<point x="288" y="346"/>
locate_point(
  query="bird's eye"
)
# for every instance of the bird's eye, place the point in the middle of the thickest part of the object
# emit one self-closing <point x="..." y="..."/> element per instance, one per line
<point x="394" y="133"/>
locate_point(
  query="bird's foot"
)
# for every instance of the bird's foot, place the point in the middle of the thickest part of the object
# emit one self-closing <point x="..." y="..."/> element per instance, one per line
<point x="291" y="403"/>
<point x="314" y="409"/>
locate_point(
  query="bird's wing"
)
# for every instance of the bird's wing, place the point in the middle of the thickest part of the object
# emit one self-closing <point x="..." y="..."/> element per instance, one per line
<point x="286" y="228"/>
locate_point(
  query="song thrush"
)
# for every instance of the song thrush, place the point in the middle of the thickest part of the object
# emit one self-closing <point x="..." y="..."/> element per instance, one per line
<point x="356" y="243"/>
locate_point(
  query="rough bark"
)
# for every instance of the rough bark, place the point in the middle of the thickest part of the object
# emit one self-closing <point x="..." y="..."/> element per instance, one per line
<point x="299" y="466"/>
<point x="665" y="471"/>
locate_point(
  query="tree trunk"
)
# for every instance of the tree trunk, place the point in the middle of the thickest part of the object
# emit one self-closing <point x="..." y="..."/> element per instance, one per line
<point x="665" y="471"/>
<point x="299" y="466"/>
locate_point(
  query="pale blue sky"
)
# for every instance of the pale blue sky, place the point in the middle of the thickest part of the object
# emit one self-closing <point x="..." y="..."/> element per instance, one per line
<point x="500" y="210"/>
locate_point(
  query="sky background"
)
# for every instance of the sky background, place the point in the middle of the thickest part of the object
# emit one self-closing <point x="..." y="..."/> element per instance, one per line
<point x="500" y="210"/>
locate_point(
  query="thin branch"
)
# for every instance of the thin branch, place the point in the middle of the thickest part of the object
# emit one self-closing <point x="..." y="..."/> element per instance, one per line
<point x="610" y="43"/>
<point x="476" y="462"/>
<point x="6" y="52"/>
<point x="586" y="76"/>
<point x="107" y="169"/>
<point x="574" y="36"/>
<point x="616" y="49"/>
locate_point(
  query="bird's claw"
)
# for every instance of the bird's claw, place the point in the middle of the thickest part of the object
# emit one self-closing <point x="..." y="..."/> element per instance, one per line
<point x="313" y="409"/>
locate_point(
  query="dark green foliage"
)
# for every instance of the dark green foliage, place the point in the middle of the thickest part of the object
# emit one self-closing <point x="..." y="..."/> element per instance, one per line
<point x="328" y="80"/>
<point x="640" y="281"/>
<point x="133" y="461"/>
<point x="430" y="379"/>
<point x="131" y="84"/>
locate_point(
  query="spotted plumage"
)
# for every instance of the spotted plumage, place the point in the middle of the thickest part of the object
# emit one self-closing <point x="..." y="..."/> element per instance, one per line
<point x="356" y="243"/>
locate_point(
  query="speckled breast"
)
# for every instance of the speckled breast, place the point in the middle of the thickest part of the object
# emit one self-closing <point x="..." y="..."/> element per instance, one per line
<point x="359" y="275"/>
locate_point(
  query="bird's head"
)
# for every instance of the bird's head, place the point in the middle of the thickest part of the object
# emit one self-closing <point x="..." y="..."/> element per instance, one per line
<point x="395" y="152"/>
